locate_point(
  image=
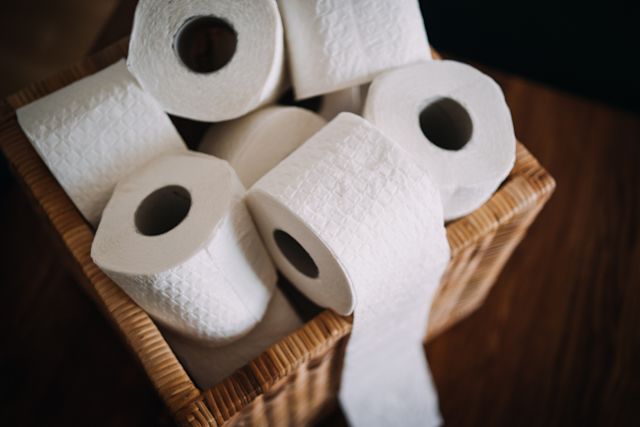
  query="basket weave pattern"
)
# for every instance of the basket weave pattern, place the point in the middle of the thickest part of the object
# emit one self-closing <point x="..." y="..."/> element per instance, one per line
<point x="296" y="380"/>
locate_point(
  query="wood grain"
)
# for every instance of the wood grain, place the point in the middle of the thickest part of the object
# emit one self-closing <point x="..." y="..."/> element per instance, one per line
<point x="558" y="340"/>
<point x="40" y="37"/>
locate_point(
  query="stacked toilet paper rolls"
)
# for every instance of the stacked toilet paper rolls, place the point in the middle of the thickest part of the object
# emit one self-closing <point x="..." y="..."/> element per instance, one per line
<point x="255" y="143"/>
<point x="95" y="132"/>
<point x="208" y="366"/>
<point x="354" y="223"/>
<point x="208" y="60"/>
<point x="178" y="239"/>
<point x="455" y="122"/>
<point x="351" y="212"/>
<point x="336" y="44"/>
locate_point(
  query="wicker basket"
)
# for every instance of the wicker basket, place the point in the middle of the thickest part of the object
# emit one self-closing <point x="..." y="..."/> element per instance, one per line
<point x="296" y="380"/>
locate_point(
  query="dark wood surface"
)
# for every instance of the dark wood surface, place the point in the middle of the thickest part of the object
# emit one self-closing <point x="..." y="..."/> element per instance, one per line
<point x="557" y="342"/>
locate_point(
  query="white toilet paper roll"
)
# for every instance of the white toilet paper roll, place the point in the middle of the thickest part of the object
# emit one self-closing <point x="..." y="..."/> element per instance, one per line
<point x="208" y="366"/>
<point x="208" y="60"/>
<point x="178" y="239"/>
<point x="96" y="131"/>
<point x="335" y="44"/>
<point x="353" y="222"/>
<point x="349" y="100"/>
<point x="454" y="120"/>
<point x="255" y="143"/>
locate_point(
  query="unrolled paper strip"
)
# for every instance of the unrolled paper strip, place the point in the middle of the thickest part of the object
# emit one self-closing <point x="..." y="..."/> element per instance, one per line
<point x="208" y="60"/>
<point x="177" y="237"/>
<point x="353" y="222"/>
<point x="336" y="44"/>
<point x="209" y="366"/>
<point x="455" y="122"/>
<point x="255" y="143"/>
<point x="95" y="132"/>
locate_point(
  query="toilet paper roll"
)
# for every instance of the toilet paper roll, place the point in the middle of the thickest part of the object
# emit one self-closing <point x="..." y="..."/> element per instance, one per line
<point x="454" y="120"/>
<point x="255" y="143"/>
<point x="209" y="366"/>
<point x="208" y="60"/>
<point x="354" y="223"/>
<point x="96" y="131"/>
<point x="335" y="44"/>
<point x="349" y="100"/>
<point x="178" y="239"/>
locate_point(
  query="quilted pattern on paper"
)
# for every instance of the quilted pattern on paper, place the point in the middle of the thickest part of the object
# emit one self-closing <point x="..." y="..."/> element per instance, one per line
<point x="362" y="190"/>
<point x="199" y="298"/>
<point x="95" y="132"/>
<point x="209" y="278"/>
<point x="380" y="215"/>
<point x="335" y="44"/>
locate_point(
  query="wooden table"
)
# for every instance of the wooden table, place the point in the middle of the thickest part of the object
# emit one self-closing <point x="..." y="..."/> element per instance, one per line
<point x="557" y="342"/>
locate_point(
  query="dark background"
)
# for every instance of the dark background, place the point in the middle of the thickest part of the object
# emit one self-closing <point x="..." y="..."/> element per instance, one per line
<point x="587" y="47"/>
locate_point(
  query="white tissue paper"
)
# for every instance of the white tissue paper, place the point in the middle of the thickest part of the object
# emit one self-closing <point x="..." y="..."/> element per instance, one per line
<point x="336" y="44"/>
<point x="255" y="143"/>
<point x="96" y="131"/>
<point x="177" y="237"/>
<point x="209" y="366"/>
<point x="246" y="33"/>
<point x="349" y="100"/>
<point x="455" y="122"/>
<point x="354" y="223"/>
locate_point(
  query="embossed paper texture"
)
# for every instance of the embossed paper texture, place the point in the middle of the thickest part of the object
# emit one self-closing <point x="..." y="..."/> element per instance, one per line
<point x="95" y="132"/>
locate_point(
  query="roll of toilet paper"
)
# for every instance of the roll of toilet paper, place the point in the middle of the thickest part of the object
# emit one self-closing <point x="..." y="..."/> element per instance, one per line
<point x="208" y="60"/>
<point x="454" y="120"/>
<point x="255" y="143"/>
<point x="178" y="239"/>
<point x="349" y="100"/>
<point x="209" y="366"/>
<point x="357" y="226"/>
<point x="335" y="44"/>
<point x="96" y="131"/>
